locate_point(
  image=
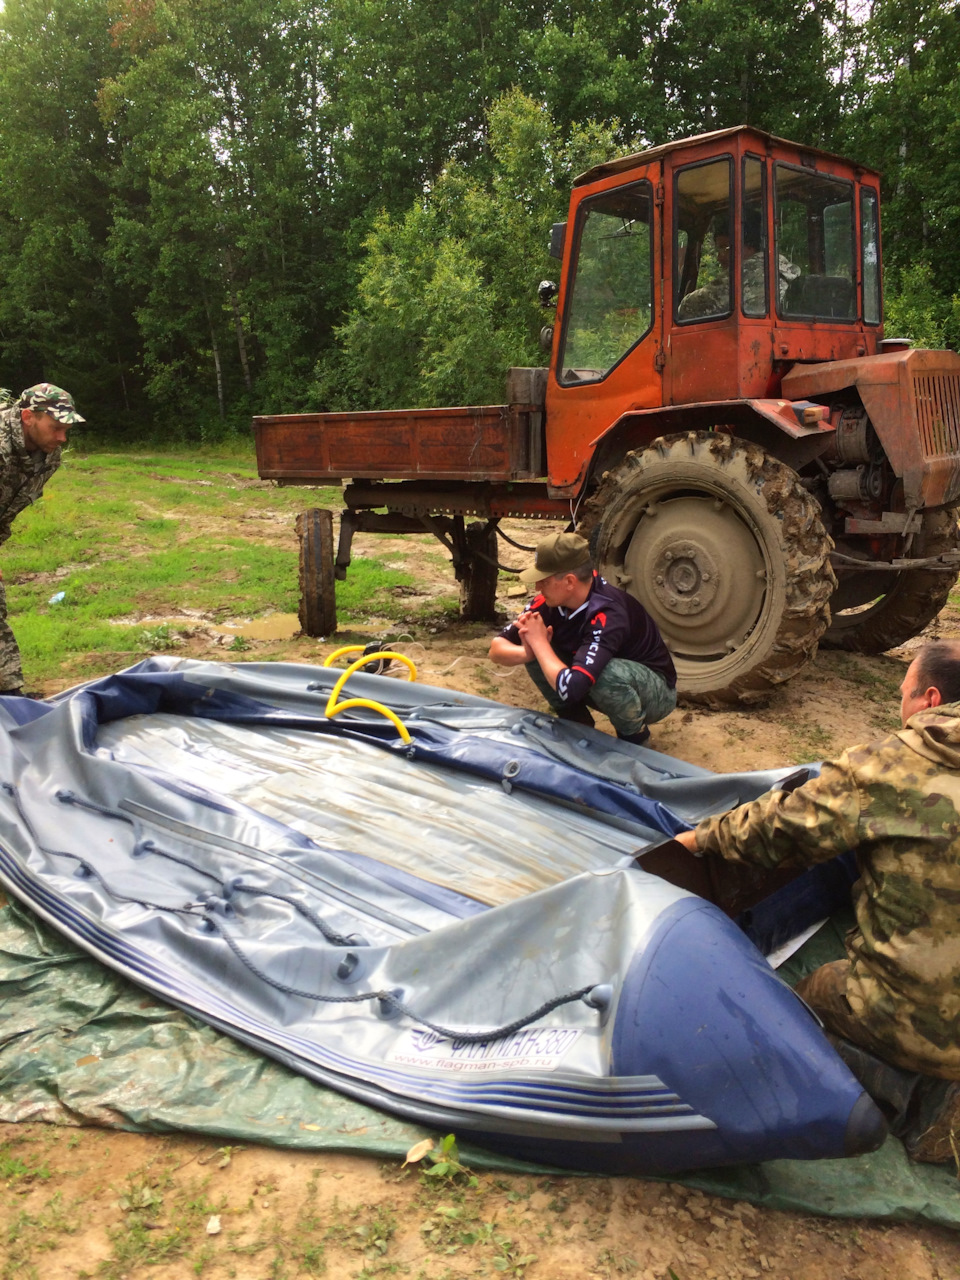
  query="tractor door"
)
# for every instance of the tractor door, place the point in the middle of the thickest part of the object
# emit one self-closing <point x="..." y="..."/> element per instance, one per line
<point x="702" y="352"/>
<point x="606" y="360"/>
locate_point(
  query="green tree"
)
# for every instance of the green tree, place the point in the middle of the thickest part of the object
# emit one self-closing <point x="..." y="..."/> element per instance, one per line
<point x="665" y="70"/>
<point x="228" y="255"/>
<point x="61" y="316"/>
<point x="903" y="117"/>
<point x="917" y="309"/>
<point x="447" y="291"/>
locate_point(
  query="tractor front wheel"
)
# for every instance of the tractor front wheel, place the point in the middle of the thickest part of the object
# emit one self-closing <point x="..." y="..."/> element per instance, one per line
<point x="728" y="554"/>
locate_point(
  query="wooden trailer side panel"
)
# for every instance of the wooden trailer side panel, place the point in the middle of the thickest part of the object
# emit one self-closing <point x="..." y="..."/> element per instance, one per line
<point x="489" y="442"/>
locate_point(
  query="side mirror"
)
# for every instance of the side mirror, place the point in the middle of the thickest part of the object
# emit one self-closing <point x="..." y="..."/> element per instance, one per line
<point x="558" y="234"/>
<point x="547" y="290"/>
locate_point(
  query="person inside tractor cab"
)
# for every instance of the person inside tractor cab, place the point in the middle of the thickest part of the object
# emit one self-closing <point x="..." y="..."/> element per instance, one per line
<point x="588" y="644"/>
<point x="713" y="299"/>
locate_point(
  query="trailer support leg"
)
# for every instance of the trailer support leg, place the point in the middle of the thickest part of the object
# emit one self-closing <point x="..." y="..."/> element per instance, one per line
<point x="349" y="523"/>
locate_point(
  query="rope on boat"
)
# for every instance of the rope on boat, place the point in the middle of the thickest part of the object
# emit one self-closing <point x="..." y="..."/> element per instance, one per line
<point x="227" y="888"/>
<point x="391" y="999"/>
<point x="387" y="999"/>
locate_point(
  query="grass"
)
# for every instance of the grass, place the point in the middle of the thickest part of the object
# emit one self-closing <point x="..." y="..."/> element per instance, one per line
<point x="31" y="1233"/>
<point x="15" y="1170"/>
<point x="154" y="533"/>
<point x="875" y="680"/>
<point x="809" y="741"/>
<point x="161" y="1222"/>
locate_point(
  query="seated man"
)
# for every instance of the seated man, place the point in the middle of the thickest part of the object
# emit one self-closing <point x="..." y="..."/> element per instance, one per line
<point x="713" y="298"/>
<point x="897" y="803"/>
<point x="587" y="644"/>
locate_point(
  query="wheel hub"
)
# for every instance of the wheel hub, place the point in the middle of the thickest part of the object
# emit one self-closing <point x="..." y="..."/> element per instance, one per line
<point x="698" y="565"/>
<point x="685" y="578"/>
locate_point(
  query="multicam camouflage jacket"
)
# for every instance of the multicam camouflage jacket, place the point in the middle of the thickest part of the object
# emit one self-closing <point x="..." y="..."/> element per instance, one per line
<point x="22" y="473"/>
<point x="897" y="803"/>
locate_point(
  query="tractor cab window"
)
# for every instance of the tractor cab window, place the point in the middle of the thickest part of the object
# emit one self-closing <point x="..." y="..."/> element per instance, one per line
<point x="816" y="247"/>
<point x="870" y="252"/>
<point x="702" y="268"/>
<point x="753" y="239"/>
<point x="611" y="301"/>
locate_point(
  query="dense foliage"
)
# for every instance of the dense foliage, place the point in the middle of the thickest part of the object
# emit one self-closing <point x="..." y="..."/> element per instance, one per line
<point x="213" y="207"/>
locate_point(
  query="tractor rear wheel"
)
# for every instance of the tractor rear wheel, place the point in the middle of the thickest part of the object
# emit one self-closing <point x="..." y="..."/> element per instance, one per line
<point x="874" y="611"/>
<point x="727" y="552"/>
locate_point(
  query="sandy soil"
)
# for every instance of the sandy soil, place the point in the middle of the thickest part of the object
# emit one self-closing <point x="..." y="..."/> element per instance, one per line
<point x="77" y="1203"/>
<point x="125" y="1205"/>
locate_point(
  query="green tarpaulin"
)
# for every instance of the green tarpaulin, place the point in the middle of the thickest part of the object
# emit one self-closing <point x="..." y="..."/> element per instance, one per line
<point x="81" y="1045"/>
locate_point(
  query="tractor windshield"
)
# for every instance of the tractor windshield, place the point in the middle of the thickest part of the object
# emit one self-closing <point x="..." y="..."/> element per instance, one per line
<point x="611" y="302"/>
<point x="816" y="246"/>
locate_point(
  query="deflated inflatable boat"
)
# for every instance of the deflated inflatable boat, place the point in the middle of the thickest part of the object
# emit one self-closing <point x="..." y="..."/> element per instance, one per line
<point x="452" y="928"/>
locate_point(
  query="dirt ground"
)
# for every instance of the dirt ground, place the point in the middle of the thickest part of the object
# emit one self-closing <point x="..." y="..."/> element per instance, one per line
<point x="82" y="1203"/>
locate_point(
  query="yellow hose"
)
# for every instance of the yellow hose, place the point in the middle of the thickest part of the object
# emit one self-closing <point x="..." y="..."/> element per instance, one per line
<point x="373" y="706"/>
<point x="334" y="707"/>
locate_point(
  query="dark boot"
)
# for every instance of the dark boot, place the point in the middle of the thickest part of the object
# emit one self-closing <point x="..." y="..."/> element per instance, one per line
<point x="638" y="739"/>
<point x="934" y="1136"/>
<point x="922" y="1111"/>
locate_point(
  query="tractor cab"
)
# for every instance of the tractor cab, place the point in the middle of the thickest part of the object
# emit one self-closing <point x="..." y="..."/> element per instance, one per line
<point x="704" y="271"/>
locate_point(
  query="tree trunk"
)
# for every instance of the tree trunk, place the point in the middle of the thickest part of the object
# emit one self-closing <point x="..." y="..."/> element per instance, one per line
<point x="216" y="356"/>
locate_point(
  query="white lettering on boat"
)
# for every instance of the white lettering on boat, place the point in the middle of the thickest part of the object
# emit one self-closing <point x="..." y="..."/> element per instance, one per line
<point x="530" y="1049"/>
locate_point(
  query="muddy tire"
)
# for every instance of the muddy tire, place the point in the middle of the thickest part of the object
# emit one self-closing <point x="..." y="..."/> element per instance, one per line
<point x="478" y="581"/>
<point x="318" y="600"/>
<point x="727" y="552"/>
<point x="874" y="611"/>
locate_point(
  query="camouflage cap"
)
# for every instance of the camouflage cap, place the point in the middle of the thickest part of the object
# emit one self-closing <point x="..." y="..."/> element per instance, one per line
<point x="46" y="398"/>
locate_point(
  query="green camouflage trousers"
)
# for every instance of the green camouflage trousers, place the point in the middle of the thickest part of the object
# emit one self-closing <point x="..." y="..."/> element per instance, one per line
<point x="11" y="676"/>
<point x="629" y="694"/>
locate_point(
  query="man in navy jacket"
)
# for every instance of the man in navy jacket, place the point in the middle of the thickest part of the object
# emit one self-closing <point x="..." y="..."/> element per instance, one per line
<point x="588" y="644"/>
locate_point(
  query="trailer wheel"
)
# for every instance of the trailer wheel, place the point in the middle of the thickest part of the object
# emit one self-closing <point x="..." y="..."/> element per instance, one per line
<point x="874" y="611"/>
<point x="318" y="600"/>
<point x="727" y="552"/>
<point x="478" y="574"/>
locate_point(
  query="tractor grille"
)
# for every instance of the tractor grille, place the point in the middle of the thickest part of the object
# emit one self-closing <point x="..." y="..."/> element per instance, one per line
<point x="937" y="400"/>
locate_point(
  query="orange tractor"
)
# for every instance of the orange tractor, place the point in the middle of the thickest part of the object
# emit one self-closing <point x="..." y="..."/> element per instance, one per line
<point x="721" y="416"/>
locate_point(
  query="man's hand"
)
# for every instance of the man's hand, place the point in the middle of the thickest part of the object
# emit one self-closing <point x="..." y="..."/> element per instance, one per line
<point x="535" y="635"/>
<point x="533" y="631"/>
<point x="507" y="654"/>
<point x="688" y="839"/>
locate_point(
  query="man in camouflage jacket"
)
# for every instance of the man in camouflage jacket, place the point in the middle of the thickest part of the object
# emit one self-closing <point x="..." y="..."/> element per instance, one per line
<point x="32" y="434"/>
<point x="897" y="803"/>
